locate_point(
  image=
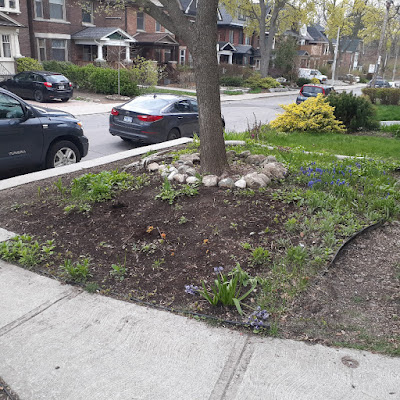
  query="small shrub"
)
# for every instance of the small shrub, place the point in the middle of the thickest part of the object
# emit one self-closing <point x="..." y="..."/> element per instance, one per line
<point x="236" y="81"/>
<point x="303" y="81"/>
<point x="312" y="115"/>
<point x="356" y="112"/>
<point x="255" y="81"/>
<point x="315" y="81"/>
<point x="28" y="64"/>
<point x="78" y="271"/>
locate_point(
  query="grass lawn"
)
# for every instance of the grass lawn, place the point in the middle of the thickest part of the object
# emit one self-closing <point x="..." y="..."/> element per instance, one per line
<point x="388" y="113"/>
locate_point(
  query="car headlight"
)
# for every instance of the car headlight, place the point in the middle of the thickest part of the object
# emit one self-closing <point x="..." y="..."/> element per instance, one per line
<point x="79" y="123"/>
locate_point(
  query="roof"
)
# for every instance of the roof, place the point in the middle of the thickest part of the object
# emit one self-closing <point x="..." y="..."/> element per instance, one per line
<point x="302" y="53"/>
<point x="189" y="7"/>
<point x="6" y="20"/>
<point x="226" y="46"/>
<point x="159" y="37"/>
<point x="317" y="36"/>
<point x="244" y="49"/>
<point x="349" y="45"/>
<point x="101" y="33"/>
<point x="227" y="19"/>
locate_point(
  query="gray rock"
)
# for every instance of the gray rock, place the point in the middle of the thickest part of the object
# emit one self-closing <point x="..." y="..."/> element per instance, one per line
<point x="254" y="180"/>
<point x="210" y="180"/>
<point x="265" y="178"/>
<point x="191" y="171"/>
<point x="171" y="175"/>
<point x="183" y="168"/>
<point x="192" y="180"/>
<point x="166" y="170"/>
<point x="274" y="170"/>
<point x="245" y="154"/>
<point x="152" y="167"/>
<point x="256" y="159"/>
<point x="193" y="158"/>
<point x="270" y="159"/>
<point x="227" y="183"/>
<point x="181" y="178"/>
<point x="241" y="184"/>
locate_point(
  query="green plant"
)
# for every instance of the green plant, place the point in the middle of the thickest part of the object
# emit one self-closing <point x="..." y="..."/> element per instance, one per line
<point x="303" y="81"/>
<point x="92" y="287"/>
<point x="314" y="114"/>
<point x="236" y="81"/>
<point x="77" y="271"/>
<point x="28" y="64"/>
<point x="182" y="220"/>
<point x="256" y="81"/>
<point x="296" y="255"/>
<point x="118" y="270"/>
<point x="291" y="224"/>
<point x="356" y="112"/>
<point x="226" y="291"/>
<point x="157" y="263"/>
<point x="260" y="256"/>
<point x="169" y="193"/>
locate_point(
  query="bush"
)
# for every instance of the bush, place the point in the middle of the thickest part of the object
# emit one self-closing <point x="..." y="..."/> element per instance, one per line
<point x="303" y="81"/>
<point x="315" y="81"/>
<point x="28" y="64"/>
<point x="236" y="81"/>
<point x="255" y="81"/>
<point x="386" y="96"/>
<point x="105" y="80"/>
<point x="312" y="115"/>
<point x="356" y="112"/>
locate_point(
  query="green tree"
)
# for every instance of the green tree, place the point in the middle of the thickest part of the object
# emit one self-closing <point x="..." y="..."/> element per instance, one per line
<point x="285" y="57"/>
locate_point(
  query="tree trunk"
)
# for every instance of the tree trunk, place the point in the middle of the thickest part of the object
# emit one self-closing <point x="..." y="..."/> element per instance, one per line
<point x="264" y="53"/>
<point x="204" y="51"/>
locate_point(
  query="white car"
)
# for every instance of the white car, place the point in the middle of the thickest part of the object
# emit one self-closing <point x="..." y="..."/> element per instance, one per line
<point x="312" y="73"/>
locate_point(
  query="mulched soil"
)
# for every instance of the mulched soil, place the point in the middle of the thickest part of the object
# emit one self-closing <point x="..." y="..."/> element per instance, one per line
<point x="356" y="302"/>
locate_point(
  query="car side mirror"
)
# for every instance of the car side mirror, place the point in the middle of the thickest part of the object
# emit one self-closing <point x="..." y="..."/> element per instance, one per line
<point x="27" y="114"/>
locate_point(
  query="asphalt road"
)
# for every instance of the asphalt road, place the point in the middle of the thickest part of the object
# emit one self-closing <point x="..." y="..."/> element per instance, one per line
<point x="239" y="115"/>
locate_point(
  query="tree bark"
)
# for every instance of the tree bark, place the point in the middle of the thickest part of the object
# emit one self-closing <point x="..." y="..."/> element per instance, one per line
<point x="201" y="38"/>
<point x="204" y="51"/>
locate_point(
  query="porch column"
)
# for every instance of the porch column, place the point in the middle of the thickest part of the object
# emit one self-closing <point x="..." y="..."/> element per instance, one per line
<point x="127" y="54"/>
<point x="230" y="58"/>
<point x="99" y="53"/>
<point x="17" y="51"/>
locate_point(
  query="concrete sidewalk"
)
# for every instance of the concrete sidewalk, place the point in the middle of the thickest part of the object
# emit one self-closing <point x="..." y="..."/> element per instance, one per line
<point x="60" y="343"/>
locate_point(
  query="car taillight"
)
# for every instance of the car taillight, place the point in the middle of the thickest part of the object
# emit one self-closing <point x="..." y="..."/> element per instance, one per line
<point x="149" y="118"/>
<point x="70" y="84"/>
<point x="48" y="84"/>
<point x="114" y="112"/>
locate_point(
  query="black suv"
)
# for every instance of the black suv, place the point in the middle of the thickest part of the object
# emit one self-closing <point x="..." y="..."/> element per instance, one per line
<point x="39" y="86"/>
<point x="37" y="137"/>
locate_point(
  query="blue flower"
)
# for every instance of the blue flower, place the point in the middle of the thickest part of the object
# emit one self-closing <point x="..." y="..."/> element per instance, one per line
<point x="190" y="289"/>
<point x="310" y="183"/>
<point x="218" y="270"/>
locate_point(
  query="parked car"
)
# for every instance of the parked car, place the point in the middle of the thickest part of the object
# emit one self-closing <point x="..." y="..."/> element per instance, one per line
<point x="310" y="90"/>
<point x="379" y="83"/>
<point x="155" y="118"/>
<point x="39" y="85"/>
<point x="32" y="137"/>
<point x="350" y="78"/>
<point x="312" y="73"/>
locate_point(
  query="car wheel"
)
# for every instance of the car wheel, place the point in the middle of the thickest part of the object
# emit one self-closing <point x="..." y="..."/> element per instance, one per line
<point x="38" y="96"/>
<point x="62" y="153"/>
<point x="173" y="134"/>
<point x="65" y="100"/>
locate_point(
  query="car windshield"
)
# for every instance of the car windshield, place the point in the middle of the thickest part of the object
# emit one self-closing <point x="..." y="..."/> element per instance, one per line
<point x="146" y="104"/>
<point x="56" y="78"/>
<point x="311" y="90"/>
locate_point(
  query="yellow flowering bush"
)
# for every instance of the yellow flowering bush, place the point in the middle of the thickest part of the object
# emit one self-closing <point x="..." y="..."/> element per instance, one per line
<point x="315" y="81"/>
<point x="312" y="115"/>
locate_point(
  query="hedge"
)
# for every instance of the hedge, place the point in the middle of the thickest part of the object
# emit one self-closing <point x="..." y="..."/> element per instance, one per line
<point x="386" y="96"/>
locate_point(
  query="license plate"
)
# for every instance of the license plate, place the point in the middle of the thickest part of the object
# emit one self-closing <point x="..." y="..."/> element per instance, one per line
<point x="127" y="119"/>
<point x="61" y="87"/>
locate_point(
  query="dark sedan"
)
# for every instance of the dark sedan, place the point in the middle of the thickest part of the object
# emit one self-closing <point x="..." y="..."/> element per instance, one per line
<point x="155" y="118"/>
<point x="32" y="137"/>
<point x="379" y="83"/>
<point x="310" y="90"/>
<point x="39" y="85"/>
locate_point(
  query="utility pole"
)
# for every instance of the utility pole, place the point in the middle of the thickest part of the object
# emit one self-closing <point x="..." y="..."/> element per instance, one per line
<point x="381" y="40"/>
<point x="335" y="56"/>
<point x="395" y="63"/>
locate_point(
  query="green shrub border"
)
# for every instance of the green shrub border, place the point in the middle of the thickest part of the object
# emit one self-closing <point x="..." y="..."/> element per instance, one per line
<point x="386" y="96"/>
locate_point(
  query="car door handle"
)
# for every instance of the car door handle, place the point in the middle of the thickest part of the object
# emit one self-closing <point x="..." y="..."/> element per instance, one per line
<point x="180" y="117"/>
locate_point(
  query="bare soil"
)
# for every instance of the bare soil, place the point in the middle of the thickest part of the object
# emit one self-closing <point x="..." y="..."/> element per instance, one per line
<point x="164" y="247"/>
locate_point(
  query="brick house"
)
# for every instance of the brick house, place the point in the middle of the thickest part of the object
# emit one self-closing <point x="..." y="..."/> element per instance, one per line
<point x="10" y="30"/>
<point x="65" y="30"/>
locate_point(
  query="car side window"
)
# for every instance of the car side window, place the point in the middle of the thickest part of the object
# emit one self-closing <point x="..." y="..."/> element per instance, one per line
<point x="182" y="106"/>
<point x="10" y="108"/>
<point x="194" y="105"/>
<point x="21" y="77"/>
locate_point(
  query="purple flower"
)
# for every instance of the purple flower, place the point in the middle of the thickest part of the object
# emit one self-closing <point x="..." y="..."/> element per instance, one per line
<point x="190" y="289"/>
<point x="218" y="270"/>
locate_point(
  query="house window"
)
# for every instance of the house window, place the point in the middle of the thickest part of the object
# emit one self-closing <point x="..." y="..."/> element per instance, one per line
<point x="58" y="49"/>
<point x="56" y="9"/>
<point x="241" y="37"/>
<point x="231" y="36"/>
<point x="87" y="13"/>
<point x="42" y="49"/>
<point x="248" y="40"/>
<point x="39" y="8"/>
<point x="6" y="46"/>
<point x="158" y="27"/>
<point x="167" y="55"/>
<point x="89" y="53"/>
<point x="182" y="56"/>
<point x="9" y="5"/>
<point x="140" y="21"/>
